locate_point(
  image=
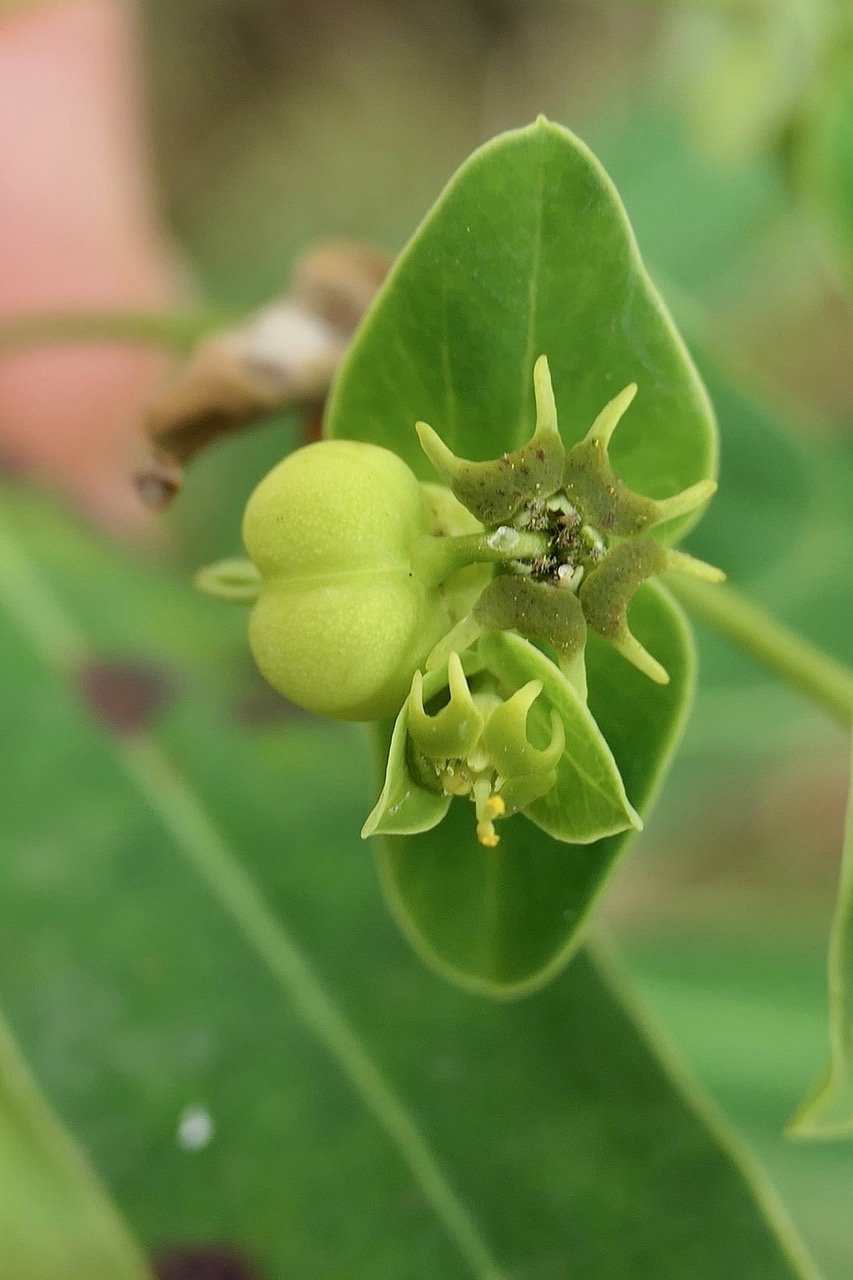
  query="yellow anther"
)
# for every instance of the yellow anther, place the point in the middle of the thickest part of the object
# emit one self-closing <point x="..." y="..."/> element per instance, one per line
<point x="489" y="807"/>
<point x="455" y="782"/>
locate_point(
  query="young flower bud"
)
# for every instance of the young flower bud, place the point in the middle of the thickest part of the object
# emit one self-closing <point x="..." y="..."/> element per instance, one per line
<point x="342" y="619"/>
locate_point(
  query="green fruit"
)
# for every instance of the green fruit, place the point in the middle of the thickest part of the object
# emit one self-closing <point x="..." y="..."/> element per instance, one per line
<point x="343" y="618"/>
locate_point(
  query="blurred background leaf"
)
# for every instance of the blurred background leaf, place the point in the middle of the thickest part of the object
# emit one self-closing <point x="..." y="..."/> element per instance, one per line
<point x="218" y="1112"/>
<point x="824" y="156"/>
<point x="56" y="1223"/>
<point x="828" y="1110"/>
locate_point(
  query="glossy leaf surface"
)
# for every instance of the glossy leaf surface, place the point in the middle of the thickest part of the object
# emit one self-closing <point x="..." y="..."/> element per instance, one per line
<point x="528" y="251"/>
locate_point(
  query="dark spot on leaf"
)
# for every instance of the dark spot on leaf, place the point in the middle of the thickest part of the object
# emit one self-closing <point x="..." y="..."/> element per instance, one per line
<point x="262" y="707"/>
<point x="204" y="1262"/>
<point x="124" y="696"/>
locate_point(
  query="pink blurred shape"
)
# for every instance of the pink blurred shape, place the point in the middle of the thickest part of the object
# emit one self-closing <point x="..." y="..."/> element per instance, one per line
<point x="78" y="231"/>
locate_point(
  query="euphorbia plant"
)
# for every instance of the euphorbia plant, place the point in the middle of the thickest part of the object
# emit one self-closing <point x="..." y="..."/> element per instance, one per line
<point x="496" y="595"/>
<point x="467" y="585"/>
<point x="492" y="590"/>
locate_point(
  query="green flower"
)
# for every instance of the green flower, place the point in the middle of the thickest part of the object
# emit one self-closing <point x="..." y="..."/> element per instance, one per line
<point x="582" y="538"/>
<point x="464" y="611"/>
<point x="472" y="732"/>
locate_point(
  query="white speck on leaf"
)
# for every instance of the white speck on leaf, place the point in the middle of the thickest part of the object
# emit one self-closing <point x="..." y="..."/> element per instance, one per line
<point x="195" y="1128"/>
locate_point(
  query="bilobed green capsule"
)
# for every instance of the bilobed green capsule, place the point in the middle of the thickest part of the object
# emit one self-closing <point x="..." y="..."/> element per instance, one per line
<point x="342" y="619"/>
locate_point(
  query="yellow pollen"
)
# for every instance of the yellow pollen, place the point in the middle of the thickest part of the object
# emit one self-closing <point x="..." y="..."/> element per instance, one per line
<point x="489" y="807"/>
<point x="487" y="835"/>
<point x="456" y="785"/>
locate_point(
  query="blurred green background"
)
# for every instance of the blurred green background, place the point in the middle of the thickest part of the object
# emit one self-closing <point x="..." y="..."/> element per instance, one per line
<point x="276" y="124"/>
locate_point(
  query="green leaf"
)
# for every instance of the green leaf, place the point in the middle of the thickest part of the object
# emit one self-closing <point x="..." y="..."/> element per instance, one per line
<point x="825" y="152"/>
<point x="503" y="921"/>
<point x="197" y="924"/>
<point x="56" y="1222"/>
<point x="758" y="64"/>
<point x="527" y="252"/>
<point x="827" y="1112"/>
<point x="772" y="519"/>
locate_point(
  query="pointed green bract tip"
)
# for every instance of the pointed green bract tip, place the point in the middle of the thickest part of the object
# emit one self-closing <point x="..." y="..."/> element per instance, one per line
<point x="631" y="649"/>
<point x="683" y="503"/>
<point x="546" y="407"/>
<point x="506" y="736"/>
<point x="681" y="562"/>
<point x="454" y="730"/>
<point x="494" y="491"/>
<point x="612" y="413"/>
<point x="436" y="450"/>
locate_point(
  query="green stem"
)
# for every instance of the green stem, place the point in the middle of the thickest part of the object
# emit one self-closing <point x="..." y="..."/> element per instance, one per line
<point x="179" y="329"/>
<point x="804" y="667"/>
<point x="436" y="559"/>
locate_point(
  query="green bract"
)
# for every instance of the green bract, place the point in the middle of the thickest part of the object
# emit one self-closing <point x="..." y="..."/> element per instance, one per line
<point x="342" y="618"/>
